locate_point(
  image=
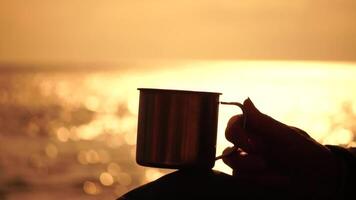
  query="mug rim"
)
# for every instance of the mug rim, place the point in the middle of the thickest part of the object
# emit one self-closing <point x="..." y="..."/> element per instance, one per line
<point x="177" y="91"/>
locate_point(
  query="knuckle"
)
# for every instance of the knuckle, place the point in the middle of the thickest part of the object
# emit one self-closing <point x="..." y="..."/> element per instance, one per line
<point x="229" y="131"/>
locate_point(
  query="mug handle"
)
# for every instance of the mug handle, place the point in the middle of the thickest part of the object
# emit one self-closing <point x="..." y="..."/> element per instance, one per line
<point x="240" y="105"/>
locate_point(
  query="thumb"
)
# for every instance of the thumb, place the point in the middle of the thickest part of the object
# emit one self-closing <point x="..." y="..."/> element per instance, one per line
<point x="265" y="127"/>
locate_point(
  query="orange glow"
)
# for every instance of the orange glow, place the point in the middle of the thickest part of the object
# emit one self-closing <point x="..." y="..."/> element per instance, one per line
<point x="81" y="157"/>
<point x="92" y="31"/>
<point x="124" y="178"/>
<point x="152" y="174"/>
<point x="51" y="150"/>
<point x="92" y="117"/>
<point x="70" y="69"/>
<point x="106" y="179"/>
<point x="92" y="157"/>
<point x="113" y="169"/>
<point x="63" y="134"/>
<point x="91" y="188"/>
<point x="304" y="94"/>
<point x="120" y="190"/>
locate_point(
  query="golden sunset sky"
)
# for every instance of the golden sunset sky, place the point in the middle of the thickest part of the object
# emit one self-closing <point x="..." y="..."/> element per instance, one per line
<point x="115" y="30"/>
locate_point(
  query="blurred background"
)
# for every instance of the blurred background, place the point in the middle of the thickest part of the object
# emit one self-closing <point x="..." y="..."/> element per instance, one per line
<point x="70" y="69"/>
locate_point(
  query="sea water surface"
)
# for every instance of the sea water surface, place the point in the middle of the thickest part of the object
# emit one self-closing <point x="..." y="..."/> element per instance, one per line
<point x="71" y="134"/>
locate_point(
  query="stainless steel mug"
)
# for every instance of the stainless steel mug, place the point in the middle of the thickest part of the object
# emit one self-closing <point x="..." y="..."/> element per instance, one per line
<point x="177" y="129"/>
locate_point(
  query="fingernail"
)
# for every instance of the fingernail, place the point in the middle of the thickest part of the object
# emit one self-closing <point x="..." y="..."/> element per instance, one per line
<point x="248" y="104"/>
<point x="228" y="150"/>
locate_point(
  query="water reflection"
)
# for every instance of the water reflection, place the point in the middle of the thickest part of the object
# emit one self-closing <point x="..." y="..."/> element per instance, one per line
<point x="91" y="188"/>
<point x="106" y="179"/>
<point x="76" y="132"/>
<point x="51" y="150"/>
<point x="67" y="132"/>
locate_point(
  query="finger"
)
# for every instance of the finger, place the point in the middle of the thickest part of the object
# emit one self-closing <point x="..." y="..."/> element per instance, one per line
<point x="236" y="134"/>
<point x="300" y="131"/>
<point x="270" y="131"/>
<point x="278" y="143"/>
<point x="244" y="162"/>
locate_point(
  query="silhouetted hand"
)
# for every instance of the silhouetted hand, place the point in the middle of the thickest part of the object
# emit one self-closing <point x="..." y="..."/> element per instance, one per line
<point x="273" y="154"/>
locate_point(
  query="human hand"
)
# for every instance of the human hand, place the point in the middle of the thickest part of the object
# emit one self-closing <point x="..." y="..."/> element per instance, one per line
<point x="273" y="154"/>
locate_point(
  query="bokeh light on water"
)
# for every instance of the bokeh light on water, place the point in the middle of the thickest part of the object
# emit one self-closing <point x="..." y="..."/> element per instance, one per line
<point x="72" y="134"/>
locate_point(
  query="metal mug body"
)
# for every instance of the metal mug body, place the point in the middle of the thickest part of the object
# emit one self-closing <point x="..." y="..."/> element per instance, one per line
<point x="177" y="129"/>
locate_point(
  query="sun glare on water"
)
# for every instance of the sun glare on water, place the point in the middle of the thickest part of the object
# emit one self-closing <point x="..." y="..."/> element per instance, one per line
<point x="80" y="127"/>
<point x="315" y="96"/>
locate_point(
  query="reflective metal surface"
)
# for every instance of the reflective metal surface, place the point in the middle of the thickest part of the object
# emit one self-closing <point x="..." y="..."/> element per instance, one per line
<point x="177" y="129"/>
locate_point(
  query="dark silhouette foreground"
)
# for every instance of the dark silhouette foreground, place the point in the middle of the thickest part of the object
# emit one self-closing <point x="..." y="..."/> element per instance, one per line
<point x="271" y="161"/>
